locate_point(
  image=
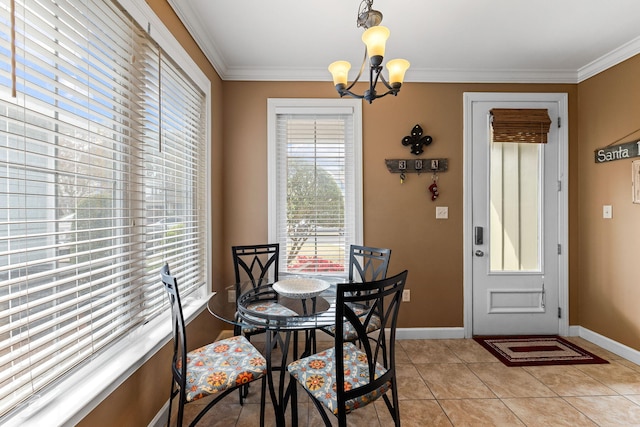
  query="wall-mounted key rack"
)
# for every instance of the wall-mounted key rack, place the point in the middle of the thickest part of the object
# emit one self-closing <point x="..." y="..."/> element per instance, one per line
<point x="417" y="165"/>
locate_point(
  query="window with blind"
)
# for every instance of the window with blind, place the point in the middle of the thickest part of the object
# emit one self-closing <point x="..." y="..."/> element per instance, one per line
<point x="315" y="186"/>
<point x="102" y="180"/>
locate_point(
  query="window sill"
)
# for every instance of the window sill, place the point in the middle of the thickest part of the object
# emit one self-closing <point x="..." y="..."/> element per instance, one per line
<point x="71" y="399"/>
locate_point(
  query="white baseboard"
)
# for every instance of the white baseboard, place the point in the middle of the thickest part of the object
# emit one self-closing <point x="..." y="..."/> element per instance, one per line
<point x="574" y="331"/>
<point x="161" y="417"/>
<point x="429" y="333"/>
<point x="608" y="344"/>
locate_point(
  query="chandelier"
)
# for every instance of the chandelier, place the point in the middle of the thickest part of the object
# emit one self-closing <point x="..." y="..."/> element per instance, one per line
<point x="375" y="38"/>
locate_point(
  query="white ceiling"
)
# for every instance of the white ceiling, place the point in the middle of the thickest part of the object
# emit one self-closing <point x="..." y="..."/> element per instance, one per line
<point x="547" y="41"/>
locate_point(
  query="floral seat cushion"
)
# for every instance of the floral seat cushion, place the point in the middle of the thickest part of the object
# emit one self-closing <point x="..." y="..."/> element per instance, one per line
<point x="316" y="373"/>
<point x="221" y="365"/>
<point x="267" y="308"/>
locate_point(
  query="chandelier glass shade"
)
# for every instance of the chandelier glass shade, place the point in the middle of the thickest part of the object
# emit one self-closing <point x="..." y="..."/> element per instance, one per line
<point x="375" y="38"/>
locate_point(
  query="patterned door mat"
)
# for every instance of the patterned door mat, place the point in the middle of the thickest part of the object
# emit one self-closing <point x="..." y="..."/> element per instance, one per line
<point x="536" y="350"/>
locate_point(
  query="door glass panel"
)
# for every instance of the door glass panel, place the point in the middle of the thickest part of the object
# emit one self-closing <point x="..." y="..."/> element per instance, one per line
<point x="515" y="207"/>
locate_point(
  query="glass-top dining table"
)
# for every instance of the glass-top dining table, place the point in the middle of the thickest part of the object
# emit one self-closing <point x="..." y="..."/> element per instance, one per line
<point x="283" y="315"/>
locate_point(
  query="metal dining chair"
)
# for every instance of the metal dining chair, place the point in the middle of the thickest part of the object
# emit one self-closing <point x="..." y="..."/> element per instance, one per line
<point x="366" y="264"/>
<point x="355" y="373"/>
<point x="257" y="264"/>
<point x="214" y="369"/>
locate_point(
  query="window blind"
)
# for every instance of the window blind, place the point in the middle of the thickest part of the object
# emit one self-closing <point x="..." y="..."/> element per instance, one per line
<point x="101" y="181"/>
<point x="315" y="209"/>
<point x="520" y="125"/>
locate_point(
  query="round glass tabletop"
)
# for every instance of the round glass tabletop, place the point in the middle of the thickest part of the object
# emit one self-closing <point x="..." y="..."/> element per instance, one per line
<point x="260" y="305"/>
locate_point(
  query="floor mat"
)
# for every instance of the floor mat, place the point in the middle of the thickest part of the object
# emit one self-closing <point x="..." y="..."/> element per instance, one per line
<point x="536" y="350"/>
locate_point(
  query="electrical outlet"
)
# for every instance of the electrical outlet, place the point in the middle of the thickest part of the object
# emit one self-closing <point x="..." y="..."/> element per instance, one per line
<point x="406" y="295"/>
<point x="231" y="296"/>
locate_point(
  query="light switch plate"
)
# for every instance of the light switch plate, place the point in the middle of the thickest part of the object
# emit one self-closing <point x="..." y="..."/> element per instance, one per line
<point x="442" y="212"/>
<point x="607" y="212"/>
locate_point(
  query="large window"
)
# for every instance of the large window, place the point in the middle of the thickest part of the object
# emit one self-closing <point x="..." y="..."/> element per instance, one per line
<point x="102" y="180"/>
<point x="315" y="187"/>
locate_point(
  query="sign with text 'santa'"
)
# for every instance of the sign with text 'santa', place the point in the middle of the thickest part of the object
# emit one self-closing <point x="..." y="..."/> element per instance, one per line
<point x="618" y="152"/>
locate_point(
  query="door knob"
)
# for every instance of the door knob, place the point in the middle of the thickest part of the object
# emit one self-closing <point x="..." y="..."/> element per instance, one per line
<point x="479" y="253"/>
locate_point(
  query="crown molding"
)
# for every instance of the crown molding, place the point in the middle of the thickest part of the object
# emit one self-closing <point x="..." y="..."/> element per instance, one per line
<point x="194" y="25"/>
<point x="608" y="60"/>
<point x="413" y="75"/>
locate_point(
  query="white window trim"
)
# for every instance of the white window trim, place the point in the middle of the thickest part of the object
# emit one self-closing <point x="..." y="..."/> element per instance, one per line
<point x="298" y="105"/>
<point x="75" y="396"/>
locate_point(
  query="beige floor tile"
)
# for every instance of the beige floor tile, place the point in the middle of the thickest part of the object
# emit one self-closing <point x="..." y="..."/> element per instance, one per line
<point x="615" y="376"/>
<point x="453" y="381"/>
<point x="507" y="381"/>
<point x="316" y="420"/>
<point x="479" y="412"/>
<point x="410" y="383"/>
<point x="457" y="382"/>
<point x="362" y="417"/>
<point x="569" y="381"/>
<point x="250" y="415"/>
<point x="428" y="351"/>
<point x="547" y="412"/>
<point x="414" y="413"/>
<point x="470" y="351"/>
<point x="629" y="364"/>
<point x="593" y="348"/>
<point x="401" y="355"/>
<point x="224" y="414"/>
<point x="608" y="410"/>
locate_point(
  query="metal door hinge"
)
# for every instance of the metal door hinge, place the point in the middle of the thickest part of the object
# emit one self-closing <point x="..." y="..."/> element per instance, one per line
<point x="559" y="313"/>
<point x="559" y="249"/>
<point x="559" y="122"/>
<point x="559" y="185"/>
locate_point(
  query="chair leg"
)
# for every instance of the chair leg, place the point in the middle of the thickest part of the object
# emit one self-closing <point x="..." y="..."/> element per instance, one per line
<point x="242" y="393"/>
<point x="262" y="399"/>
<point x="182" y="398"/>
<point x="396" y="407"/>
<point x="393" y="408"/>
<point x="293" y="383"/>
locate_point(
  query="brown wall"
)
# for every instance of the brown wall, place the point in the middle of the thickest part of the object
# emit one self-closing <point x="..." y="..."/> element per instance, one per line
<point x="609" y="249"/>
<point x="401" y="217"/>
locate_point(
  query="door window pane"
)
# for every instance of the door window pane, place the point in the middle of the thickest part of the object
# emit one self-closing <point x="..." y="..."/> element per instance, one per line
<point x="515" y="206"/>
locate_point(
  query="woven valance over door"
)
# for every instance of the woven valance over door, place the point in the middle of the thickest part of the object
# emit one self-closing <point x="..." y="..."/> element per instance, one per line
<point x="520" y="125"/>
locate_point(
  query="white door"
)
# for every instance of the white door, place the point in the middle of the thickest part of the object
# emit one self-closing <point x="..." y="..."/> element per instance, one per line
<point x="516" y="225"/>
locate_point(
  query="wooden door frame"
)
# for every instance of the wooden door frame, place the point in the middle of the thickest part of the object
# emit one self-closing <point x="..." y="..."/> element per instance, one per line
<point x="563" y="198"/>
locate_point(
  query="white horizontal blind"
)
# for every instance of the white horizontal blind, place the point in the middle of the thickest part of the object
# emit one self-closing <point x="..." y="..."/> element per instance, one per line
<point x="95" y="164"/>
<point x="174" y="182"/>
<point x="315" y="188"/>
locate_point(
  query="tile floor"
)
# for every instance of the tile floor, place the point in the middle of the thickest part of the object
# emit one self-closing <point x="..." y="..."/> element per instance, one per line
<point x="458" y="383"/>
